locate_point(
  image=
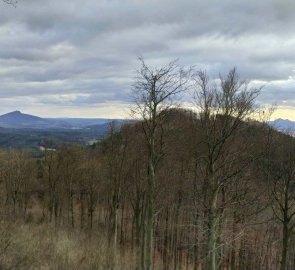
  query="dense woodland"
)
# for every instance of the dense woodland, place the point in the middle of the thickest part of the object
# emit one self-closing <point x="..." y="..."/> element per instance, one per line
<point x="207" y="188"/>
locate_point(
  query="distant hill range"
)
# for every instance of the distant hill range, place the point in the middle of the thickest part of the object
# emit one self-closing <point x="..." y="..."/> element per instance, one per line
<point x="18" y="119"/>
<point x="284" y="125"/>
<point x="20" y="130"/>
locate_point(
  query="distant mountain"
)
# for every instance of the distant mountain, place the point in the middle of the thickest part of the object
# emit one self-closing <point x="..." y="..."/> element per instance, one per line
<point x="25" y="131"/>
<point x="284" y="125"/>
<point x="19" y="120"/>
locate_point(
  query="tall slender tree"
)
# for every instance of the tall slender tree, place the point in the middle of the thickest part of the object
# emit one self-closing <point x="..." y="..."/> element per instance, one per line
<point x="222" y="110"/>
<point x="280" y="170"/>
<point x="154" y="92"/>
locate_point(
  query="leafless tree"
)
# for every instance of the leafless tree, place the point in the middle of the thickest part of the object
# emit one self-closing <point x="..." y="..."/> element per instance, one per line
<point x="154" y="92"/>
<point x="280" y="170"/>
<point x="222" y="109"/>
<point x="17" y="173"/>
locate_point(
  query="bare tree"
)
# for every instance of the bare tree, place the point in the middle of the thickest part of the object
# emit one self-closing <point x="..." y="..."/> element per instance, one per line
<point x="280" y="169"/>
<point x="16" y="172"/>
<point x="153" y="92"/>
<point x="52" y="175"/>
<point x="222" y="109"/>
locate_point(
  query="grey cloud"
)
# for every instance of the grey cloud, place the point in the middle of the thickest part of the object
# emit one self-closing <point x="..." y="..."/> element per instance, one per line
<point x="282" y="95"/>
<point x="87" y="51"/>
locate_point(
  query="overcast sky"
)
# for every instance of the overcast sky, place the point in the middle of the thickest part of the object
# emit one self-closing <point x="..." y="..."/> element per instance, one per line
<point x="78" y="58"/>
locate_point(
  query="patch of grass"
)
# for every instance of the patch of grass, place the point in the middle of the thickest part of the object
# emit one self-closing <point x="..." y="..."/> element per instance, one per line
<point x="41" y="247"/>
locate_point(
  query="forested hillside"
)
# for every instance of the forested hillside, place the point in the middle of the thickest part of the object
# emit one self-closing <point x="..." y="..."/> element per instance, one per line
<point x="102" y="191"/>
<point x="209" y="188"/>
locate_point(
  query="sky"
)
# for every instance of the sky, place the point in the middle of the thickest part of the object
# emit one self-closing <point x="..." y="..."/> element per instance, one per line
<point x="75" y="58"/>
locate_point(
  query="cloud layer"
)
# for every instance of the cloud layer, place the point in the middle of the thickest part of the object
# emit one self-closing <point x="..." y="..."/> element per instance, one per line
<point x="64" y="58"/>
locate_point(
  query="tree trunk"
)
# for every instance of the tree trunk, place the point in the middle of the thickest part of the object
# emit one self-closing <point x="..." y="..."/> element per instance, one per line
<point x="285" y="246"/>
<point x="213" y="233"/>
<point x="150" y="216"/>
